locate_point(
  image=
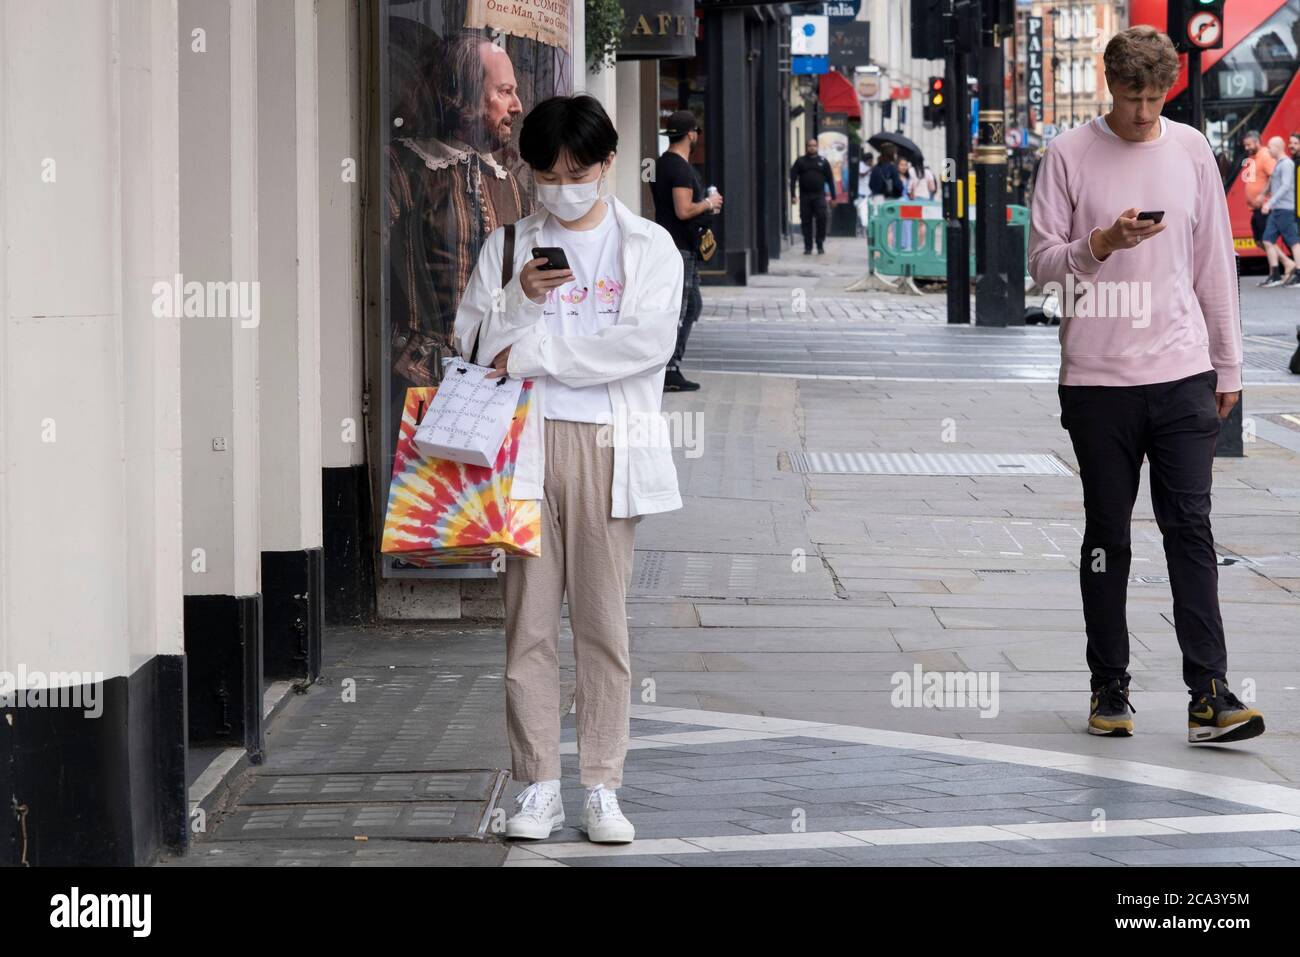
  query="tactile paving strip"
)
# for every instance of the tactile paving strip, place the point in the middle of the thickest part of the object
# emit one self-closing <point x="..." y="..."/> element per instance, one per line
<point x="1261" y="352"/>
<point x="935" y="463"/>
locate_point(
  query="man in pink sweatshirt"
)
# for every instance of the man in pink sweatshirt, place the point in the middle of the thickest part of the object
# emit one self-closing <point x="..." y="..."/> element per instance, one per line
<point x="1130" y="230"/>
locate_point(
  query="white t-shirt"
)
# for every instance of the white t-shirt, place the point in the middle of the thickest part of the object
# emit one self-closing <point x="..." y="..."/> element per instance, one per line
<point x="923" y="185"/>
<point x="583" y="307"/>
<point x="1105" y="127"/>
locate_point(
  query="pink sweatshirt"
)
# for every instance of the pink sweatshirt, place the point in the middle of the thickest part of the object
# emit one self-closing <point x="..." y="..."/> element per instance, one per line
<point x="1163" y="310"/>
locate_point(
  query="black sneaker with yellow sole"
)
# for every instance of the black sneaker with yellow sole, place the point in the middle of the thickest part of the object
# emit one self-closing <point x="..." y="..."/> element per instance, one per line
<point x="1218" y="716"/>
<point x="1108" y="712"/>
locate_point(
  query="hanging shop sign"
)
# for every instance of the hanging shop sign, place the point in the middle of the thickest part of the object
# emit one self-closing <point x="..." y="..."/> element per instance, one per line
<point x="657" y="29"/>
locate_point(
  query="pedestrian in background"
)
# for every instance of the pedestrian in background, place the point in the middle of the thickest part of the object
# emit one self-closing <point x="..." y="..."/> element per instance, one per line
<point x="1293" y="146"/>
<point x="684" y="209"/>
<point x="1281" y="237"/>
<point x="864" y="173"/>
<point x="1151" y="385"/>
<point x="1256" y="169"/>
<point x="864" y="191"/>
<point x="908" y="176"/>
<point x="885" y="182"/>
<point x="811" y="177"/>
<point x="925" y="185"/>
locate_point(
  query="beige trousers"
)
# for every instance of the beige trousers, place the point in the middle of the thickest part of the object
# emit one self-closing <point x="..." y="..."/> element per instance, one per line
<point x="587" y="555"/>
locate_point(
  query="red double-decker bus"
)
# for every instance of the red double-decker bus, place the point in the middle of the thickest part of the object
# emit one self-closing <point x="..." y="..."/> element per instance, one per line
<point x="1250" y="84"/>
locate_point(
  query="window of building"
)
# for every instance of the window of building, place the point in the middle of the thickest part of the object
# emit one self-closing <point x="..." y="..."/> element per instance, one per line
<point x="456" y="79"/>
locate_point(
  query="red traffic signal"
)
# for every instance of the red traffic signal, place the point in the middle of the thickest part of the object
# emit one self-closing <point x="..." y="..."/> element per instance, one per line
<point x="933" y="111"/>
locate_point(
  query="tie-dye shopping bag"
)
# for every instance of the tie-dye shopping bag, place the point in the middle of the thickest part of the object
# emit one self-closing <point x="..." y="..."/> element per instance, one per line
<point x="446" y="513"/>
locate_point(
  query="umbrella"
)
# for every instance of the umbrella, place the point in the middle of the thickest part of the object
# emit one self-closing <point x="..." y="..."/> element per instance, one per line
<point x="901" y="144"/>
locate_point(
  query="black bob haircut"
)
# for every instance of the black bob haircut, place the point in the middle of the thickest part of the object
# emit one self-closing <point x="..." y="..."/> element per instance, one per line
<point x="576" y="123"/>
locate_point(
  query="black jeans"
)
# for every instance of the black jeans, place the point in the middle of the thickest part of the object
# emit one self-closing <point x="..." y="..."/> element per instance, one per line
<point x="1175" y="426"/>
<point x="1258" y="219"/>
<point x="692" y="304"/>
<point x="813" y="212"/>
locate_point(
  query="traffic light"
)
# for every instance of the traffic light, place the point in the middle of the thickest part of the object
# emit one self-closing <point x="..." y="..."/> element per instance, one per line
<point x="1196" y="24"/>
<point x="935" y="106"/>
<point x="999" y="14"/>
<point x="928" y="29"/>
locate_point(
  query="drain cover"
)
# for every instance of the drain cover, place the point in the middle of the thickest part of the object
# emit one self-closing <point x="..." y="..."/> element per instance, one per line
<point x="434" y="805"/>
<point x="359" y="788"/>
<point x="937" y="463"/>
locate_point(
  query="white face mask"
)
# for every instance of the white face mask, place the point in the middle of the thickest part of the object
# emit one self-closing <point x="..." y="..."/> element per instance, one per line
<point x="572" y="201"/>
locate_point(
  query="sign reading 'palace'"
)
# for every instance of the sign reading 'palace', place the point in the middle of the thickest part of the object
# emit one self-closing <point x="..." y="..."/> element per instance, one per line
<point x="1034" y="67"/>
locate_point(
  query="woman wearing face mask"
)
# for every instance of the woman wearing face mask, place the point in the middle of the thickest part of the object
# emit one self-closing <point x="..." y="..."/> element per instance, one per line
<point x="595" y="339"/>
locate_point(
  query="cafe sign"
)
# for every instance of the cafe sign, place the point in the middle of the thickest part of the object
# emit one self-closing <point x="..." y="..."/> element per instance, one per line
<point x="657" y="29"/>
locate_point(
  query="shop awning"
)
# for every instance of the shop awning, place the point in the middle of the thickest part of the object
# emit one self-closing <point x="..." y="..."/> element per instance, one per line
<point x="837" y="95"/>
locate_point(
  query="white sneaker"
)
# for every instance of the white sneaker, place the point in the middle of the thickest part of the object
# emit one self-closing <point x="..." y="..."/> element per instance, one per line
<point x="541" y="812"/>
<point x="602" y="819"/>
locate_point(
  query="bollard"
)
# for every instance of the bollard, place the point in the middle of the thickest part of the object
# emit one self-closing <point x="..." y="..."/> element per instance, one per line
<point x="1015" y="274"/>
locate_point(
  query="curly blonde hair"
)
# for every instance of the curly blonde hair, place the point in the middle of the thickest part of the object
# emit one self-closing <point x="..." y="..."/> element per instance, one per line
<point x="1141" y="57"/>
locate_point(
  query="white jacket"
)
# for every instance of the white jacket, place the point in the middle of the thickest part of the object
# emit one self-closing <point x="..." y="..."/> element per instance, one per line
<point x="628" y="356"/>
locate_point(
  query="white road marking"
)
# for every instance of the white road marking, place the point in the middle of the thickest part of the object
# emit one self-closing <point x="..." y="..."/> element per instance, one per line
<point x="893" y="837"/>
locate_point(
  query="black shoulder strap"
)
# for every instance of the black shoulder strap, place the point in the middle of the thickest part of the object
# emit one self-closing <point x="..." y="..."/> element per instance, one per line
<point x="507" y="270"/>
<point x="508" y="256"/>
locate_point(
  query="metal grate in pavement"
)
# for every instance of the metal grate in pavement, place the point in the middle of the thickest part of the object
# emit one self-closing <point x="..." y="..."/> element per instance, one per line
<point x="412" y="806"/>
<point x="648" y="577"/>
<point x="407" y="821"/>
<point x="359" y="788"/>
<point x="927" y="463"/>
<point x="663" y="574"/>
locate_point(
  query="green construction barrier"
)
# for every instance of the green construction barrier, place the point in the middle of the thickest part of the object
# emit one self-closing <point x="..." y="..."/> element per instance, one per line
<point x="906" y="237"/>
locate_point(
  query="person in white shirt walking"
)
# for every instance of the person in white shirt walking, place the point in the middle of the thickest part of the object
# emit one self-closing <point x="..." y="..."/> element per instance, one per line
<point x="595" y="338"/>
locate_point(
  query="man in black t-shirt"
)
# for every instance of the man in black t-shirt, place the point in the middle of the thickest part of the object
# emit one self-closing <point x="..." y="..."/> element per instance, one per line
<point x="812" y="174"/>
<point x="685" y="210"/>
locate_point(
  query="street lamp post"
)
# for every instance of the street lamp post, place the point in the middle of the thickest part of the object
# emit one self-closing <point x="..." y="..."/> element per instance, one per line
<point x="1072" y="38"/>
<point x="1056" y="69"/>
<point x="995" y="304"/>
<point x="962" y="38"/>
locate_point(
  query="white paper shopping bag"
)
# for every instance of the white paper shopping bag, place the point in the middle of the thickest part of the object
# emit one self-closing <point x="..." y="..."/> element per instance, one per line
<point x="469" y="415"/>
